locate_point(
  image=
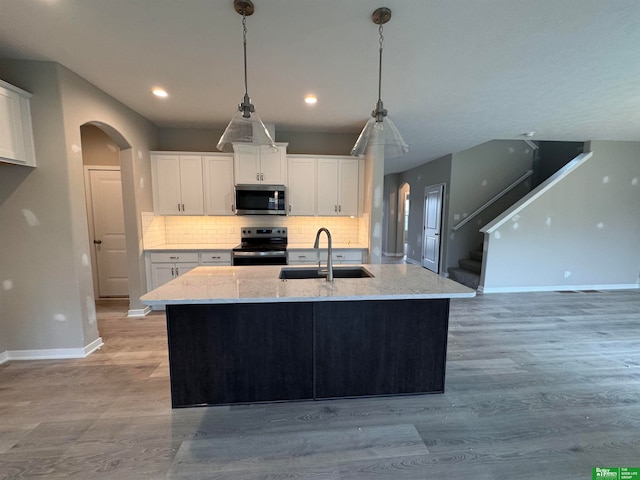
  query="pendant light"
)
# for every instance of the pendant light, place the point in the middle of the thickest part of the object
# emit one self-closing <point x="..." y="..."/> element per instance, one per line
<point x="245" y="126"/>
<point x="379" y="129"/>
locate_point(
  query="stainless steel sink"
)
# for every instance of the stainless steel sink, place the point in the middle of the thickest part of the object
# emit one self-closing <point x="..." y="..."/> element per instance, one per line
<point x="300" y="273"/>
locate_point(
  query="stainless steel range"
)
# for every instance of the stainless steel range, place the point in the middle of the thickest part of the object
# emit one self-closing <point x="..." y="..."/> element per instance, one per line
<point x="261" y="246"/>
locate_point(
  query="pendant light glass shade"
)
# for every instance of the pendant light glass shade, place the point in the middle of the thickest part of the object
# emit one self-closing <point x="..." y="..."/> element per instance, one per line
<point x="245" y="126"/>
<point x="247" y="130"/>
<point x="379" y="129"/>
<point x="380" y="133"/>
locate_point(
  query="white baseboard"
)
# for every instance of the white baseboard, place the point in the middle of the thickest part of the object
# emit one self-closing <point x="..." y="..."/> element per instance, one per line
<point x="139" y="312"/>
<point x="557" y="288"/>
<point x="414" y="262"/>
<point x="53" y="353"/>
<point x="392" y="254"/>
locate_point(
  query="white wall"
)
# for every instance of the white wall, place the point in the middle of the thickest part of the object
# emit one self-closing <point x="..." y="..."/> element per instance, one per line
<point x="47" y="297"/>
<point x="582" y="233"/>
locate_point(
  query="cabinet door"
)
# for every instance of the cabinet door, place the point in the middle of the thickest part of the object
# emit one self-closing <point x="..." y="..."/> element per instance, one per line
<point x="273" y="166"/>
<point x="247" y="164"/>
<point x="348" y="187"/>
<point x="327" y="186"/>
<point x="182" y="268"/>
<point x="161" y="273"/>
<point x="165" y="173"/>
<point x="191" y="188"/>
<point x="301" y="191"/>
<point x="218" y="185"/>
<point x="12" y="145"/>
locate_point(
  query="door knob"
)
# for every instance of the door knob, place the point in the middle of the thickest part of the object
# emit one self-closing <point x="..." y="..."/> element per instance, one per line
<point x="98" y="242"/>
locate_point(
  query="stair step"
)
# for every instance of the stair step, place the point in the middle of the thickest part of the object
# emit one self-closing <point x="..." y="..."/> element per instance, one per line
<point x="470" y="264"/>
<point x="465" y="277"/>
<point x="476" y="255"/>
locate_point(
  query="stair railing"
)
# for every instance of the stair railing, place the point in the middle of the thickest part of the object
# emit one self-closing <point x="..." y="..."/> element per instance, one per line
<point x="495" y="198"/>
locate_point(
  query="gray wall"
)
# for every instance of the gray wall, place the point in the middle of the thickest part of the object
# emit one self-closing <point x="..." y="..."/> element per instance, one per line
<point x="582" y="232"/>
<point x="390" y="215"/>
<point x="437" y="171"/>
<point x="477" y="175"/>
<point x="97" y="148"/>
<point x="47" y="300"/>
<point x="205" y="140"/>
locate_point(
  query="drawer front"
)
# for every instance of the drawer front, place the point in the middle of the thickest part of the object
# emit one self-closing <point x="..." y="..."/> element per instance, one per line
<point x="174" y="257"/>
<point x="303" y="256"/>
<point x="354" y="256"/>
<point x="215" y="258"/>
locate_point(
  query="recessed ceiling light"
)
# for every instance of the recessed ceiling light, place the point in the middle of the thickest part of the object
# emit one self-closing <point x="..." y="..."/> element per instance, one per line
<point x="310" y="100"/>
<point x="528" y="134"/>
<point x="160" y="92"/>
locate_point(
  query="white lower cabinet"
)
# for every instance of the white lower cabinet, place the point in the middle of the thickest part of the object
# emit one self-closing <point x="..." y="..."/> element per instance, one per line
<point x="213" y="258"/>
<point x="347" y="255"/>
<point x="165" y="266"/>
<point x="302" y="256"/>
<point x="339" y="256"/>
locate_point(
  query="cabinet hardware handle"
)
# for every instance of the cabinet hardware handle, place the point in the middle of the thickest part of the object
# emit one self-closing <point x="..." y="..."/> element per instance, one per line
<point x="262" y="176"/>
<point x="215" y="258"/>
<point x="289" y="208"/>
<point x="335" y="208"/>
<point x="183" y="207"/>
<point x="302" y="256"/>
<point x="257" y="176"/>
<point x="177" y="272"/>
<point x="340" y="256"/>
<point x="178" y="207"/>
<point x="172" y="274"/>
<point x="232" y="207"/>
<point x="174" y="258"/>
<point x="339" y="208"/>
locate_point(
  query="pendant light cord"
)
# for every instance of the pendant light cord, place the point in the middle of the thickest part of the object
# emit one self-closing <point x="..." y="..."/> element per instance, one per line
<point x="380" y="64"/>
<point x="244" y="42"/>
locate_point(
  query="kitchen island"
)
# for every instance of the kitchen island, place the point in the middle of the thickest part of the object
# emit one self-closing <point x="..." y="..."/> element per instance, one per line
<point x="241" y="335"/>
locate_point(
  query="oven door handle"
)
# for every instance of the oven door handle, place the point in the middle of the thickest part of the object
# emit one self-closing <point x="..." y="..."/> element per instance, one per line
<point x="259" y="254"/>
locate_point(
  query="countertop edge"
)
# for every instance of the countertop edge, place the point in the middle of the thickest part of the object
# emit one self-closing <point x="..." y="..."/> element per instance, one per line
<point x="213" y="301"/>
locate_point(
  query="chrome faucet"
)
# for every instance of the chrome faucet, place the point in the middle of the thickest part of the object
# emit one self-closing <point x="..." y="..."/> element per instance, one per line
<point x="329" y="270"/>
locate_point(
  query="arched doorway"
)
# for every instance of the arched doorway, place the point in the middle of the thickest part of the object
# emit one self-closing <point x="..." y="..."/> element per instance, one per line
<point x="404" y="204"/>
<point x="105" y="210"/>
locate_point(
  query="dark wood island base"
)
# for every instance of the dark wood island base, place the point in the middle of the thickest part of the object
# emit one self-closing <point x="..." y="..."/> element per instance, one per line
<point x="279" y="351"/>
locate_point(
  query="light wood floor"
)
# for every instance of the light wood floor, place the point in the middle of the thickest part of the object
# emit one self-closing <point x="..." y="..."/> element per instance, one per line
<point x="539" y="386"/>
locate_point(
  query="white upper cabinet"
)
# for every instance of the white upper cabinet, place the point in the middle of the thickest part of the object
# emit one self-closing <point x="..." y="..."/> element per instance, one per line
<point x="301" y="192"/>
<point x="177" y="184"/>
<point x="254" y="165"/>
<point x="16" y="131"/>
<point x="219" y="195"/>
<point x="338" y="186"/>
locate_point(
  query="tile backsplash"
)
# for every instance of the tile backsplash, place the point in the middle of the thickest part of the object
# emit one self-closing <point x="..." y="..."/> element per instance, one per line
<point x="161" y="230"/>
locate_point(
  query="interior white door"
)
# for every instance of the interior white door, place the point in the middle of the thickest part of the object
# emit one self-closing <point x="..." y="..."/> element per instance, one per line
<point x="433" y="197"/>
<point x="108" y="233"/>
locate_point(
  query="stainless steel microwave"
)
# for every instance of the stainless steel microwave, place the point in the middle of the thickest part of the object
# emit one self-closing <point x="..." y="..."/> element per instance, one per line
<point x="260" y="200"/>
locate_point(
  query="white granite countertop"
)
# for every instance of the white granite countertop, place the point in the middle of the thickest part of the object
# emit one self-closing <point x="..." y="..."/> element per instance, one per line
<point x="230" y="246"/>
<point x="323" y="245"/>
<point x="191" y="246"/>
<point x="260" y="284"/>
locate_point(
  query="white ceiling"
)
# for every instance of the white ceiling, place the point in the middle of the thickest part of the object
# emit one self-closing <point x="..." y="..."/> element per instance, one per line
<point x="456" y="73"/>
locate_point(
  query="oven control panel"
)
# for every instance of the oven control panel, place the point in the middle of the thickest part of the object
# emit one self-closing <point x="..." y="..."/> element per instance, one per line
<point x="260" y="232"/>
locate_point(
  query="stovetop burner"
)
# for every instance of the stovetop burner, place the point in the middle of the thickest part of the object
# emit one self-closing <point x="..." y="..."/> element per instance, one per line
<point x="261" y="246"/>
<point x="255" y="239"/>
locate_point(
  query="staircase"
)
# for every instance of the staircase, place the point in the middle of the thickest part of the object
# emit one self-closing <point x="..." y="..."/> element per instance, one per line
<point x="468" y="271"/>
